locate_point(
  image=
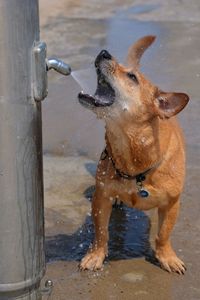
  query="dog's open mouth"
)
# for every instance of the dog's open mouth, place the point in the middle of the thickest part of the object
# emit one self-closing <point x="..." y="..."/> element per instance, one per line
<point x="104" y="95"/>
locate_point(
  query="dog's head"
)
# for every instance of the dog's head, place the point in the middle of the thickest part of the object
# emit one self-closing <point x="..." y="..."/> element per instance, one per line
<point x="125" y="92"/>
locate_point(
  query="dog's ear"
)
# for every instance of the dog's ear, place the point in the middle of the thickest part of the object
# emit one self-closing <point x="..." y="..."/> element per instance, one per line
<point x="170" y="104"/>
<point x="137" y="49"/>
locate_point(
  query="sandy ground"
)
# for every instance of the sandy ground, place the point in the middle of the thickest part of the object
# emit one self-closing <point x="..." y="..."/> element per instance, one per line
<point x="73" y="139"/>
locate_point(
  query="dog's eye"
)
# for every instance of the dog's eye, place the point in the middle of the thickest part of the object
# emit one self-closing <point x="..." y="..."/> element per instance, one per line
<point x="132" y="77"/>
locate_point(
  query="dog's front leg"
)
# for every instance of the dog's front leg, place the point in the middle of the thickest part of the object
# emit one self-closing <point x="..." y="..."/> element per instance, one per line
<point x="101" y="211"/>
<point x="164" y="252"/>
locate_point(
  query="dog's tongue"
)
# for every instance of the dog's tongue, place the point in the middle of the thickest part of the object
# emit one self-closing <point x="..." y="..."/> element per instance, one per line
<point x="87" y="79"/>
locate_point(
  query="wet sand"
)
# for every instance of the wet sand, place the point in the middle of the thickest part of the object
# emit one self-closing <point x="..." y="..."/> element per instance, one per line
<point x="73" y="139"/>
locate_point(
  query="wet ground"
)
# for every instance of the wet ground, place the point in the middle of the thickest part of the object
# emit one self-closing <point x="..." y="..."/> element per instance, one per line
<point x="73" y="140"/>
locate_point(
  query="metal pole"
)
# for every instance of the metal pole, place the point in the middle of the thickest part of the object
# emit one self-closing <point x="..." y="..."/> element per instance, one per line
<point x="22" y="262"/>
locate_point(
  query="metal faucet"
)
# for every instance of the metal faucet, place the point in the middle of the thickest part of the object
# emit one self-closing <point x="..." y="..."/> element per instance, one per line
<point x="41" y="65"/>
<point x="58" y="65"/>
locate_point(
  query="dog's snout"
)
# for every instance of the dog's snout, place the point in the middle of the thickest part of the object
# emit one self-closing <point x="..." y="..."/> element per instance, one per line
<point x="104" y="54"/>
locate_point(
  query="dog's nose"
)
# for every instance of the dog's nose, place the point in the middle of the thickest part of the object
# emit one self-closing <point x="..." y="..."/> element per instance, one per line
<point x="104" y="54"/>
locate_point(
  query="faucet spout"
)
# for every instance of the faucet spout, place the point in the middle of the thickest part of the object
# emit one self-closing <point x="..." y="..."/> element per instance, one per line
<point x="58" y="65"/>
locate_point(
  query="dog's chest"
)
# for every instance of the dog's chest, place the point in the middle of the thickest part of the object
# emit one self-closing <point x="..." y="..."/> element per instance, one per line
<point x="121" y="150"/>
<point x="132" y="150"/>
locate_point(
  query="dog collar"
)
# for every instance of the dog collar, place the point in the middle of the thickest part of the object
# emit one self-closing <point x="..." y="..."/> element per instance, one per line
<point x="142" y="192"/>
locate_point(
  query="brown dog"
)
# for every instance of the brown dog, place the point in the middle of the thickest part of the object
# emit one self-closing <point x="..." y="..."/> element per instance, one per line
<point x="144" y="161"/>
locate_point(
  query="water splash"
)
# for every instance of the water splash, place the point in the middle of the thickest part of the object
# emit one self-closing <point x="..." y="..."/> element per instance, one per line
<point x="87" y="79"/>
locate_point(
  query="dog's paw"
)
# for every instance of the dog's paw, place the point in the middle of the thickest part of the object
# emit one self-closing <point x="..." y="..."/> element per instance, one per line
<point x="93" y="260"/>
<point x="170" y="262"/>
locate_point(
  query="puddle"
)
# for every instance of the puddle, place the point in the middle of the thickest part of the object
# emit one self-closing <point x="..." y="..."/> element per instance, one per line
<point x="129" y="238"/>
<point x="141" y="9"/>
